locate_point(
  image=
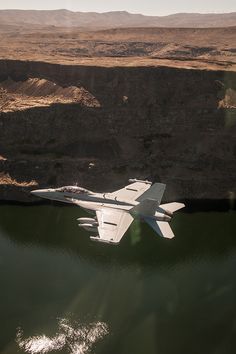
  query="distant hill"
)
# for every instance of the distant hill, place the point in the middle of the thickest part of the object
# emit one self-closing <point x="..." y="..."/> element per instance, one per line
<point x="65" y="18"/>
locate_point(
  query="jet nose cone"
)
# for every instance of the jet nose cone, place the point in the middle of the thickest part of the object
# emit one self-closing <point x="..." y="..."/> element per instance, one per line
<point x="35" y="192"/>
<point x="38" y="192"/>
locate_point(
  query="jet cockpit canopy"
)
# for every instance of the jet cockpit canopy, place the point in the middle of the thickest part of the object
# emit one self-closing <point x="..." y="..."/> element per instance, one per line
<point x="74" y="190"/>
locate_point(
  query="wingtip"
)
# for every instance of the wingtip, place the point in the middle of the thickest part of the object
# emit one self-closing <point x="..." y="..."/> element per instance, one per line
<point x="134" y="180"/>
<point x="99" y="239"/>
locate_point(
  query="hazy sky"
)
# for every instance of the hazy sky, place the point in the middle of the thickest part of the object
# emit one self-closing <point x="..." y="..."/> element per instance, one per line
<point x="149" y="7"/>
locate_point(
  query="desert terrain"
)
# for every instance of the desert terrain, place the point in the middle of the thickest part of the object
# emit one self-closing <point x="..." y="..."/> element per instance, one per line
<point x="114" y="19"/>
<point x="95" y="106"/>
<point x="193" y="48"/>
<point x="213" y="47"/>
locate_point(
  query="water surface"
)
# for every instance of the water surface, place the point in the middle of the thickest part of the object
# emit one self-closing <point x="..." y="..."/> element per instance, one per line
<point x="62" y="293"/>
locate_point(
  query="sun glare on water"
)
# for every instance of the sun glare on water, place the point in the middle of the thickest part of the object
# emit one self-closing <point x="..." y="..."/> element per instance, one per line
<point x="76" y="340"/>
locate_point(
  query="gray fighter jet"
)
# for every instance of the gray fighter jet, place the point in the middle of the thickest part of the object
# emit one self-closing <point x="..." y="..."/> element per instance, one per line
<point x="114" y="212"/>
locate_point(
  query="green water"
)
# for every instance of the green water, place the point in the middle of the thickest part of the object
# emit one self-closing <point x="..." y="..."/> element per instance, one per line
<point x="62" y="293"/>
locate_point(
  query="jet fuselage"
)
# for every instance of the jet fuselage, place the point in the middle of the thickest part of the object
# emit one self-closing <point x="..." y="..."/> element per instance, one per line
<point x="95" y="201"/>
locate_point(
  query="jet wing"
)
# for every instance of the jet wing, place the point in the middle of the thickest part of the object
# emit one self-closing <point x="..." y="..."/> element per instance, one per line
<point x="112" y="225"/>
<point x="132" y="191"/>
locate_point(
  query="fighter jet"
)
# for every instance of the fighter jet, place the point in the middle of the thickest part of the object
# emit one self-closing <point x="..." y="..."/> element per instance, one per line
<point x="114" y="212"/>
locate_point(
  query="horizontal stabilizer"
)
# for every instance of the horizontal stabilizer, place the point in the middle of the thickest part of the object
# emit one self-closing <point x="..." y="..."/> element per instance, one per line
<point x="155" y="192"/>
<point x="172" y="207"/>
<point x="161" y="227"/>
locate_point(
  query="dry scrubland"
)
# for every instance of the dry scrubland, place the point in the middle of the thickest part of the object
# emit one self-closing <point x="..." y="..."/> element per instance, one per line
<point x="198" y="48"/>
<point x="208" y="48"/>
<point x="94" y="106"/>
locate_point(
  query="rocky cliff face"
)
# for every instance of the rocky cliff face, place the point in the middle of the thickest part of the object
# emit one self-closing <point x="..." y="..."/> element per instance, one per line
<point x="173" y="125"/>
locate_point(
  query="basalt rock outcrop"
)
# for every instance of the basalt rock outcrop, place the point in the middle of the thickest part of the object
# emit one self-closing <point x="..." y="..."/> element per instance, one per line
<point x="173" y="125"/>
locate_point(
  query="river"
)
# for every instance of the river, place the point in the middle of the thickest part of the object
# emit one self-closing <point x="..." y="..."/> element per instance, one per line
<point x="62" y="293"/>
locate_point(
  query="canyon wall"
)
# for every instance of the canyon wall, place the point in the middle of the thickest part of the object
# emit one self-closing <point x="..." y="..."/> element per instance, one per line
<point x="176" y="126"/>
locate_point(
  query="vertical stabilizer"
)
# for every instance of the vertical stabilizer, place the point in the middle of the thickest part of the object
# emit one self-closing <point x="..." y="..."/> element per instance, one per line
<point x="145" y="207"/>
<point x="155" y="192"/>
